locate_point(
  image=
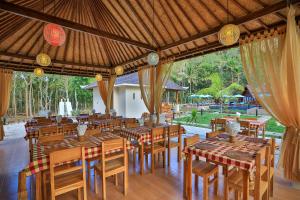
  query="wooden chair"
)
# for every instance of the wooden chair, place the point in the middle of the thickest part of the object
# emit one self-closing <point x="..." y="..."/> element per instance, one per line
<point x="148" y="123"/>
<point x="66" y="120"/>
<point x="212" y="134"/>
<point x="91" y="132"/>
<point x="112" y="164"/>
<point x="174" y="132"/>
<point x="218" y="124"/>
<point x="69" y="129"/>
<point x="203" y="169"/>
<point x="46" y="132"/>
<point x="44" y="122"/>
<point x="246" y="129"/>
<point x="70" y="178"/>
<point x="259" y="186"/>
<point x="116" y="123"/>
<point x="131" y="124"/>
<point x="157" y="145"/>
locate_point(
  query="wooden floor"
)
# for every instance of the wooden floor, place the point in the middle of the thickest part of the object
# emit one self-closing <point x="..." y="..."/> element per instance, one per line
<point x="165" y="184"/>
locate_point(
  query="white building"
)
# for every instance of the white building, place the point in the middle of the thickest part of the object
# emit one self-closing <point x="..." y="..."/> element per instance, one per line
<point x="127" y="99"/>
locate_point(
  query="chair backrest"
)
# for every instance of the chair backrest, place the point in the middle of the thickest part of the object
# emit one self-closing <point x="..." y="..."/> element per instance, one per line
<point x="50" y="133"/>
<point x="219" y="124"/>
<point x="148" y="123"/>
<point x="245" y="127"/>
<point x="130" y="124"/>
<point x="262" y="159"/>
<point x="272" y="152"/>
<point x="212" y="134"/>
<point x="174" y="130"/>
<point x="66" y="156"/>
<point x="69" y="129"/>
<point x="112" y="150"/>
<point x="92" y="131"/>
<point x="66" y="120"/>
<point x="158" y="134"/>
<point x="44" y="121"/>
<point x="189" y="141"/>
<point x="116" y="123"/>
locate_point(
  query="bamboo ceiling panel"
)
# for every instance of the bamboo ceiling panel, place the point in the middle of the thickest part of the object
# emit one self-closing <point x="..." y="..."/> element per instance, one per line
<point x="102" y="34"/>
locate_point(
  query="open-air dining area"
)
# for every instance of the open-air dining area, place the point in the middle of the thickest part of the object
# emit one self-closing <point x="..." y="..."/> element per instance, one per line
<point x="150" y="99"/>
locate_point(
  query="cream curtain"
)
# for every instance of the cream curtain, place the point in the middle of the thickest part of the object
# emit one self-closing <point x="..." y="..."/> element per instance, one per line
<point x="272" y="66"/>
<point x="152" y="82"/>
<point x="5" y="86"/>
<point x="106" y="90"/>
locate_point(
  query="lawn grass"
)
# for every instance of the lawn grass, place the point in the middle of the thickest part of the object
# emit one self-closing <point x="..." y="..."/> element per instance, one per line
<point x="204" y="121"/>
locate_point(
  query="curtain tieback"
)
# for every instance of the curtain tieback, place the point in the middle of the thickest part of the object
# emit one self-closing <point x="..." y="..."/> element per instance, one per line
<point x="292" y="134"/>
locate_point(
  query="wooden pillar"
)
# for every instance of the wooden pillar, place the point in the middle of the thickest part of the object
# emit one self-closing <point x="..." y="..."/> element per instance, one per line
<point x="177" y="97"/>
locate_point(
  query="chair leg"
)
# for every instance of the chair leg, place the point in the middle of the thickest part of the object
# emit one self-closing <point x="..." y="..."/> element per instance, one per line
<point x="103" y="187"/>
<point x="236" y="195"/>
<point x="152" y="162"/>
<point x="216" y="183"/>
<point x="196" y="181"/>
<point x="88" y="166"/>
<point x="169" y="155"/>
<point x="205" y="188"/>
<point x="125" y="184"/>
<point x="271" y="186"/>
<point x="158" y="158"/>
<point x="79" y="193"/>
<point x="84" y="193"/>
<point x="164" y="158"/>
<point x="95" y="182"/>
<point x="116" y="179"/>
<point x="179" y="153"/>
<point x="134" y="156"/>
<point x="44" y="179"/>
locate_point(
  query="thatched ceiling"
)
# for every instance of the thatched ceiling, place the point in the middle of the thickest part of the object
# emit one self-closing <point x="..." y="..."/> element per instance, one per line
<point x="102" y="34"/>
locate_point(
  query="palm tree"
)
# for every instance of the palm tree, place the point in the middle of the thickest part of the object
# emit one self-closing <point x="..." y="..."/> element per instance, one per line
<point x="190" y="75"/>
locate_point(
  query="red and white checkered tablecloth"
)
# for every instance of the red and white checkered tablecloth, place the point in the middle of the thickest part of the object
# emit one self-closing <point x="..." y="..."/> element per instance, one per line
<point x="39" y="158"/>
<point x="218" y="154"/>
<point x="142" y="133"/>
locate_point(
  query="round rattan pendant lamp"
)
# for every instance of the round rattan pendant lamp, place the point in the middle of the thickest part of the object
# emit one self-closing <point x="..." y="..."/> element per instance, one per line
<point x="153" y="57"/>
<point x="119" y="70"/>
<point x="98" y="77"/>
<point x="39" y="72"/>
<point x="54" y="34"/>
<point x="229" y="34"/>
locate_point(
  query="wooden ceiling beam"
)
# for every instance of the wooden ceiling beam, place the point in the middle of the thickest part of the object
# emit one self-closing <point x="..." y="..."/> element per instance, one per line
<point x="13" y="55"/>
<point x="30" y="67"/>
<point x="33" y="14"/>
<point x="250" y="17"/>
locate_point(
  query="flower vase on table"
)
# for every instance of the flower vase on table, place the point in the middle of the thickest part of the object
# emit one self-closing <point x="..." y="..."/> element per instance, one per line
<point x="81" y="131"/>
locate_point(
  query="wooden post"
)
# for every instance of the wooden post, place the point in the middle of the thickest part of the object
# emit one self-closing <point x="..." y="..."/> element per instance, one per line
<point x="177" y="97"/>
<point x="22" y="192"/>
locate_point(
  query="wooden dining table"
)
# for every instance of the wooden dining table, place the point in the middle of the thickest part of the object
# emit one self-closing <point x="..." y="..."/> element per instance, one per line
<point x="142" y="134"/>
<point x="254" y="124"/>
<point x="39" y="157"/>
<point x="220" y="152"/>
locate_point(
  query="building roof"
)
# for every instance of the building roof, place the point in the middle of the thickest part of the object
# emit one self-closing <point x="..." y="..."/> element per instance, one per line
<point x="133" y="80"/>
<point x="101" y="35"/>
